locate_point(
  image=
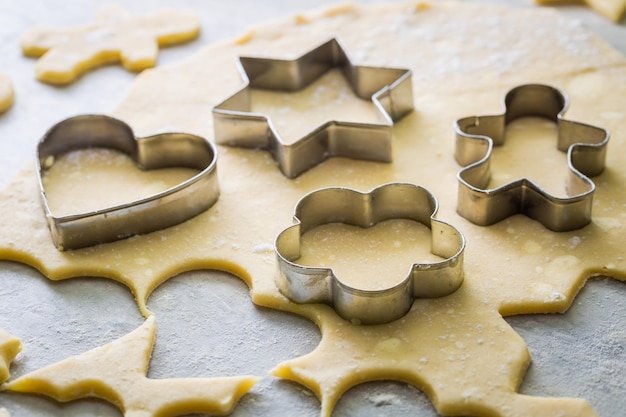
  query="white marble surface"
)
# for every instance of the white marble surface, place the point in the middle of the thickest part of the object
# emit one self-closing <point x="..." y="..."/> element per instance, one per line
<point x="575" y="354"/>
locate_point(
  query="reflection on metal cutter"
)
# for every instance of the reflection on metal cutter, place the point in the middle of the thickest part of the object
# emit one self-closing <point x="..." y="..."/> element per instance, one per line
<point x="304" y="284"/>
<point x="477" y="135"/>
<point x="389" y="89"/>
<point x="161" y="210"/>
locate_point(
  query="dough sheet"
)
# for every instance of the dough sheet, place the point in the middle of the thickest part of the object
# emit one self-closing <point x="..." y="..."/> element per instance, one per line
<point x="10" y="346"/>
<point x="611" y="9"/>
<point x="6" y="93"/>
<point x="457" y="349"/>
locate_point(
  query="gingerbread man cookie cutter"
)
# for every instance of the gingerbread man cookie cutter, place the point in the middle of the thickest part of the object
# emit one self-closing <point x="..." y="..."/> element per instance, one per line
<point x="158" y="211"/>
<point x="477" y="135"/>
<point x="389" y="89"/>
<point x="304" y="284"/>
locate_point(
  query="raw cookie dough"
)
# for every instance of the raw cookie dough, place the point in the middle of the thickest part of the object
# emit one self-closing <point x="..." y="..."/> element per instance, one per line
<point x="113" y="179"/>
<point x="116" y="372"/>
<point x="612" y="9"/>
<point x="115" y="36"/>
<point x="6" y="93"/>
<point x="370" y="259"/>
<point x="10" y="346"/>
<point x="458" y="349"/>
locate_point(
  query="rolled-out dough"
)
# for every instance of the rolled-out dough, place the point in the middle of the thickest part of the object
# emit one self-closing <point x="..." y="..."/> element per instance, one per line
<point x="10" y="346"/>
<point x="458" y="349"/>
<point x="116" y="372"/>
<point x="115" y="36"/>
<point x="6" y="93"/>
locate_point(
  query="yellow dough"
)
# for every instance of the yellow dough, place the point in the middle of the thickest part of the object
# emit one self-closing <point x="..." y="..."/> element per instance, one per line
<point x="370" y="259"/>
<point x="115" y="36"/>
<point x="116" y="372"/>
<point x="612" y="9"/>
<point x="6" y="93"/>
<point x="458" y="349"/>
<point x="124" y="181"/>
<point x="10" y="346"/>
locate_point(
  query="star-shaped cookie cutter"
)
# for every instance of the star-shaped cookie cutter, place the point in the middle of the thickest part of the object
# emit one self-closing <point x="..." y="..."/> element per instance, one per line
<point x="305" y="284"/>
<point x="158" y="211"/>
<point x="477" y="135"/>
<point x="389" y="89"/>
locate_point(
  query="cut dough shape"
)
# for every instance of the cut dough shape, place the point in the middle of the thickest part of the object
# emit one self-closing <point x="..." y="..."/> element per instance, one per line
<point x="366" y="255"/>
<point x="115" y="36"/>
<point x="6" y="93"/>
<point x="10" y="346"/>
<point x="105" y="165"/>
<point x="116" y="372"/>
<point x="458" y="349"/>
<point x="611" y="9"/>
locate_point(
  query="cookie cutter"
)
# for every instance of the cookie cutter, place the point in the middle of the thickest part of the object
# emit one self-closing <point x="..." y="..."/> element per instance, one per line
<point x="305" y="284"/>
<point x="477" y="135"/>
<point x="164" y="209"/>
<point x="389" y="89"/>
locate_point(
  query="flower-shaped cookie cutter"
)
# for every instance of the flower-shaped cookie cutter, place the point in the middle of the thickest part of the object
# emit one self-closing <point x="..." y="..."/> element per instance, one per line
<point x="304" y="284"/>
<point x="389" y="89"/>
<point x="158" y="211"/>
<point x="477" y="135"/>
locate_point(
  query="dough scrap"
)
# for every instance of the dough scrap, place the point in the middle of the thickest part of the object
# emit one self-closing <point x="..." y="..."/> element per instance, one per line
<point x="116" y="372"/>
<point x="6" y="93"/>
<point x="10" y="346"/>
<point x="611" y="9"/>
<point x="458" y="349"/>
<point x="115" y="36"/>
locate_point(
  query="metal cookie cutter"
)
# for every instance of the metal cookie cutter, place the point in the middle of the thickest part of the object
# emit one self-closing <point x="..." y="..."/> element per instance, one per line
<point x="475" y="138"/>
<point x="161" y="210"/>
<point x="304" y="284"/>
<point x="390" y="90"/>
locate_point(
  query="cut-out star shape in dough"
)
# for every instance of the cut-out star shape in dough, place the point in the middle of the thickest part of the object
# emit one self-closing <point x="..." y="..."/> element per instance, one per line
<point x="115" y="36"/>
<point x="10" y="346"/>
<point x="116" y="372"/>
<point x="388" y="88"/>
<point x="6" y="93"/>
<point x="611" y="9"/>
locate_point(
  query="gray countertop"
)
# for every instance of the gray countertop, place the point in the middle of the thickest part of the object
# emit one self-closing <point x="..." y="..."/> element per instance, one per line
<point x="55" y="320"/>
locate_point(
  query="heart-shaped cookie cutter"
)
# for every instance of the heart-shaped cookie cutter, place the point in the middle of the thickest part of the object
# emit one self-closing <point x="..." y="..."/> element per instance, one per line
<point x="305" y="284"/>
<point x="389" y="89"/>
<point x="477" y="135"/>
<point x="164" y="209"/>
